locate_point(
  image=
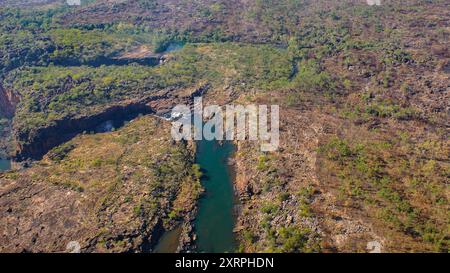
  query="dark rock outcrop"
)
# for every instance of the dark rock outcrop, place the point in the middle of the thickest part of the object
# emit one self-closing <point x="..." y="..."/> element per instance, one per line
<point x="35" y="145"/>
<point x="46" y="138"/>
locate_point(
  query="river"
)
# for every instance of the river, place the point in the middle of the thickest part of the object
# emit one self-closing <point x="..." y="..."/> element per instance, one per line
<point x="215" y="219"/>
<point x="169" y="242"/>
<point x="5" y="164"/>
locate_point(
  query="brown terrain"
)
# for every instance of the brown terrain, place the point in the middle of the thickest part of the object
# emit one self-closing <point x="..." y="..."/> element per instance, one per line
<point x="364" y="153"/>
<point x="117" y="199"/>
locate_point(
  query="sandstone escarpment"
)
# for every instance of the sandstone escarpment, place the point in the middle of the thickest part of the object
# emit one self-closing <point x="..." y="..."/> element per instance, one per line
<point x="109" y="192"/>
<point x="43" y="139"/>
<point x="36" y="143"/>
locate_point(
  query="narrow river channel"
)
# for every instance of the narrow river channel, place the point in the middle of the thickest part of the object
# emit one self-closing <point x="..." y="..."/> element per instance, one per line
<point x="215" y="219"/>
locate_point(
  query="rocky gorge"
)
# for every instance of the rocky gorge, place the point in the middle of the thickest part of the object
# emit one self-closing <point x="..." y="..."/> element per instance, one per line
<point x="85" y="99"/>
<point x="112" y="200"/>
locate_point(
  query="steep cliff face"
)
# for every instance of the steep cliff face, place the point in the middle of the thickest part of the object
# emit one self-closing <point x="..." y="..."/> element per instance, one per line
<point x="34" y="145"/>
<point x="8" y="102"/>
<point x="117" y="197"/>
<point x="45" y="138"/>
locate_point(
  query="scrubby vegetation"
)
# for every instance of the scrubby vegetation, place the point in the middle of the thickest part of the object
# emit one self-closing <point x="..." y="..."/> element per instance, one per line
<point x="372" y="81"/>
<point x="399" y="182"/>
<point x="55" y="92"/>
<point x="122" y="184"/>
